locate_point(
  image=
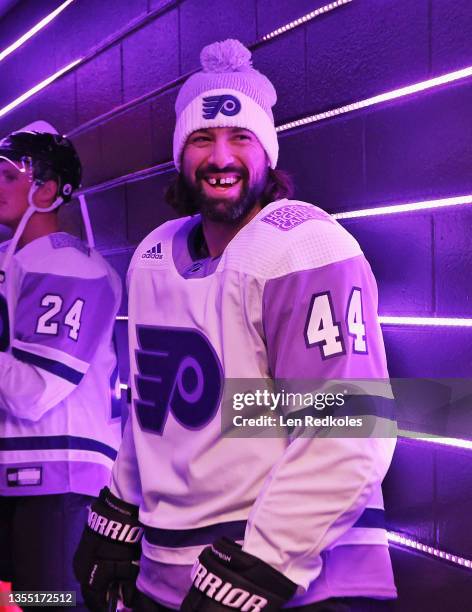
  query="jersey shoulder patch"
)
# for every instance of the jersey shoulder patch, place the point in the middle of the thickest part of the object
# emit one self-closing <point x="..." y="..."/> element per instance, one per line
<point x="63" y="240"/>
<point x="288" y="236"/>
<point x="62" y="255"/>
<point x="290" y="214"/>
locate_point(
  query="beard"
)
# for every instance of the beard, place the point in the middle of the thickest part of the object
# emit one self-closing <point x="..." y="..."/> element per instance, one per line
<point x="225" y="210"/>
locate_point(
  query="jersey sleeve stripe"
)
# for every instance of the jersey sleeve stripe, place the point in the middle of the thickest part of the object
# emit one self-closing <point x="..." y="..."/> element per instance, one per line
<point x="354" y="405"/>
<point x="56" y="443"/>
<point x="372" y="518"/>
<point x="50" y="365"/>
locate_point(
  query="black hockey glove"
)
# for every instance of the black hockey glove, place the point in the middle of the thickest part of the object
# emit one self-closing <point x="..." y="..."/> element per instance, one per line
<point x="109" y="551"/>
<point x="225" y="577"/>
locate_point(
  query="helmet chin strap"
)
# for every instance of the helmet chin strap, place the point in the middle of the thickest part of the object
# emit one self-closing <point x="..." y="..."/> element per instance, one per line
<point x="29" y="212"/>
<point x="87" y="223"/>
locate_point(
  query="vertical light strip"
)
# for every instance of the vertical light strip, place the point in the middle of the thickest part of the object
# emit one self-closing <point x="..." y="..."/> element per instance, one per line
<point x="404" y="208"/>
<point x="6" y="109"/>
<point x="308" y="17"/>
<point x="409" y="542"/>
<point x="450" y="77"/>
<point x="34" y="30"/>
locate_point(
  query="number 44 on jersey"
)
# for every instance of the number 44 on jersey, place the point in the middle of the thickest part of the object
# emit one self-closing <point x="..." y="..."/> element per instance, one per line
<point x="323" y="329"/>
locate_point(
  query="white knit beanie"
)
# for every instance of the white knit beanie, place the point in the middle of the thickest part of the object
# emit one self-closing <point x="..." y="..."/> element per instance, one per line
<point x="228" y="92"/>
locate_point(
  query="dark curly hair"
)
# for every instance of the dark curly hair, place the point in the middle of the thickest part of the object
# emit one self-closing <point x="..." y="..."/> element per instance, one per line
<point x="279" y="185"/>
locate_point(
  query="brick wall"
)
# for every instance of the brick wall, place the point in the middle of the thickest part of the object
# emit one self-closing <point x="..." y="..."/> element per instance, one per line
<point x="117" y="106"/>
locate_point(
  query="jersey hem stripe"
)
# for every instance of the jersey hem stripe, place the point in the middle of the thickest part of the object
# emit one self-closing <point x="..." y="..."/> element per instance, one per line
<point x="56" y="442"/>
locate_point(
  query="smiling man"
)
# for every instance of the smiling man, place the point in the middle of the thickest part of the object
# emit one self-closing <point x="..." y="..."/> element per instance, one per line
<point x="225" y="177"/>
<point x="251" y="285"/>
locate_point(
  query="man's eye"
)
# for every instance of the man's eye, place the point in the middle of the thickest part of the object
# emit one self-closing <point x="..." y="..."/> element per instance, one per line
<point x="197" y="139"/>
<point x="242" y="137"/>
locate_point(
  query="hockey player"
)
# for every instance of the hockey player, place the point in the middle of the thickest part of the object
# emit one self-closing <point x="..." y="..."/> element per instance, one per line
<point x="59" y="433"/>
<point x="253" y="286"/>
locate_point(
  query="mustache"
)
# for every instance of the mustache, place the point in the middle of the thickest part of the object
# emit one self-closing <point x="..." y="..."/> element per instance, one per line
<point x="213" y="169"/>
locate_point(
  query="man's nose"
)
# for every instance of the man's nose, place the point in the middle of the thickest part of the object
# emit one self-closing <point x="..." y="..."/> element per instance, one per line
<point x="221" y="154"/>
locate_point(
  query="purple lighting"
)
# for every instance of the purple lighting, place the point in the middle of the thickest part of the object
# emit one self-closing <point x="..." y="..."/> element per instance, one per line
<point x="420" y="321"/>
<point x="426" y="321"/>
<point x="403" y="208"/>
<point x="402" y="540"/>
<point x="6" y="109"/>
<point x="34" y="30"/>
<point x="308" y="17"/>
<point x="450" y="77"/>
<point x="433" y="439"/>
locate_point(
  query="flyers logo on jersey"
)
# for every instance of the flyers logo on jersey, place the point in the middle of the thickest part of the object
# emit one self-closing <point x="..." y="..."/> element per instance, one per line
<point x="225" y="104"/>
<point x="154" y="253"/>
<point x="178" y="373"/>
<point x="115" y="530"/>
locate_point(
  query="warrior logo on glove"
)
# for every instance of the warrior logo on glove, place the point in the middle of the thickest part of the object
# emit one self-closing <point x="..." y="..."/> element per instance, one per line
<point x="225" y="577"/>
<point x="121" y="532"/>
<point x="219" y="590"/>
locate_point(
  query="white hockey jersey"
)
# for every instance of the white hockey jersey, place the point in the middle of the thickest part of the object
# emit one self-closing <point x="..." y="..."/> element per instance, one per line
<point x="292" y="297"/>
<point x="60" y="418"/>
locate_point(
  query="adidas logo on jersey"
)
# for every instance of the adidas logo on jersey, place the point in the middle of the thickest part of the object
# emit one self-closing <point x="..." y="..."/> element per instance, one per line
<point x="121" y="532"/>
<point x="222" y="591"/>
<point x="154" y="253"/>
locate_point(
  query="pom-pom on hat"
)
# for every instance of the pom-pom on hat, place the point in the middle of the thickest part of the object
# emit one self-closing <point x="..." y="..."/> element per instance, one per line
<point x="227" y="92"/>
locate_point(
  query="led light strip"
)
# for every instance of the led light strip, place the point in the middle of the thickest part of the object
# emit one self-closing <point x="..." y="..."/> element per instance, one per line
<point x="426" y="321"/>
<point x="392" y="95"/>
<point x="408" y="542"/>
<point x="51" y="16"/>
<point x="6" y="109"/>
<point x="385" y="97"/>
<point x="308" y="17"/>
<point x="34" y="30"/>
<point x="434" y="439"/>
<point x="404" y="208"/>
<point x="386" y="320"/>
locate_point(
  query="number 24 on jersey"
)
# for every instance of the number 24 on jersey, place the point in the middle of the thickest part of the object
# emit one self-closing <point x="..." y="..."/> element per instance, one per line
<point x="55" y="303"/>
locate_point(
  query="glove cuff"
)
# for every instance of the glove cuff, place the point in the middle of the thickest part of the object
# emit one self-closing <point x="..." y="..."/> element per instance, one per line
<point x="225" y="577"/>
<point x="115" y="520"/>
<point x="252" y="568"/>
<point x="117" y="504"/>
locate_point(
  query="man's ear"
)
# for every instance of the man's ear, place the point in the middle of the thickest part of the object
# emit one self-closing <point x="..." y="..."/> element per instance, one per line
<point x="45" y="194"/>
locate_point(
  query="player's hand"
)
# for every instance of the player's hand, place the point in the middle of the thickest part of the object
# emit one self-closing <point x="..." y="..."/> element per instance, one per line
<point x="225" y="577"/>
<point x="109" y="551"/>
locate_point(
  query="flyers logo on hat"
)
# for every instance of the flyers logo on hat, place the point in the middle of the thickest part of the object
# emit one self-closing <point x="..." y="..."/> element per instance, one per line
<point x="225" y="104"/>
